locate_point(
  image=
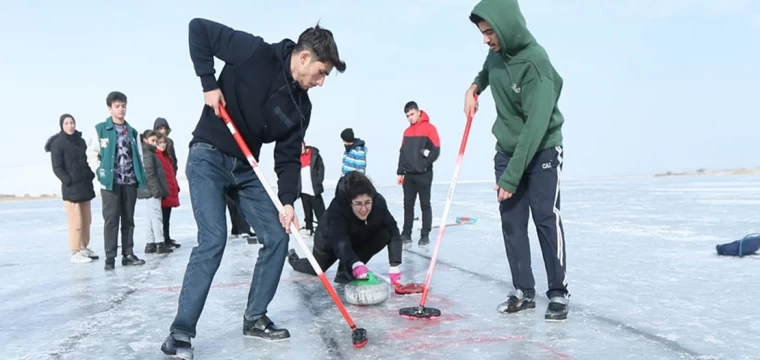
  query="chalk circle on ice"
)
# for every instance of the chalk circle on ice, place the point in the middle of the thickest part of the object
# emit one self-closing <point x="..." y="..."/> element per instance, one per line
<point x="371" y="291"/>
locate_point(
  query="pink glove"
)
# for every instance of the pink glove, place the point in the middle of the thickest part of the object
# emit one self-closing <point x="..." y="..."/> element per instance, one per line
<point x="395" y="275"/>
<point x="359" y="270"/>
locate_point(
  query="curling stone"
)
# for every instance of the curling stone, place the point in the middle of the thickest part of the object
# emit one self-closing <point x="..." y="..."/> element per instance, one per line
<point x="370" y="291"/>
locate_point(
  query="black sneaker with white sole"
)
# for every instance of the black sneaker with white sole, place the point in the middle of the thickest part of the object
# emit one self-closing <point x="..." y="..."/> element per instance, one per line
<point x="557" y="309"/>
<point x="178" y="346"/>
<point x="516" y="301"/>
<point x="263" y="328"/>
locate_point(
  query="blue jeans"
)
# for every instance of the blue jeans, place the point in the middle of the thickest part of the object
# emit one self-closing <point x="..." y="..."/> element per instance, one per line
<point x="211" y="174"/>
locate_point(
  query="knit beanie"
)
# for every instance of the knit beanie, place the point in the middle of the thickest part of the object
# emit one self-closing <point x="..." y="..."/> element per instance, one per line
<point x="347" y="135"/>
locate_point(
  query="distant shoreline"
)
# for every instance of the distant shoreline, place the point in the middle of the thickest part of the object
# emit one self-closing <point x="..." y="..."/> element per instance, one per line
<point x="698" y="172"/>
<point x="704" y="172"/>
<point x="27" y="197"/>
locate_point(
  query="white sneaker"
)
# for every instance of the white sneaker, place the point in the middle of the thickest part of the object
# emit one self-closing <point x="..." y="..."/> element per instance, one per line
<point x="80" y="257"/>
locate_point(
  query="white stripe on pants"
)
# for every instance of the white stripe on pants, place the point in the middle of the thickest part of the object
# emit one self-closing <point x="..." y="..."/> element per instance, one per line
<point x="155" y="217"/>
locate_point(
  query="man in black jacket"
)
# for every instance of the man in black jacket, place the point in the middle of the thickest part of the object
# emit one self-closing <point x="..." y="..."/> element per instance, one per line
<point x="312" y="176"/>
<point x="264" y="88"/>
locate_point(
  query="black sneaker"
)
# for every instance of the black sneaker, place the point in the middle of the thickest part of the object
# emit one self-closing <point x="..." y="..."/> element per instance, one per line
<point x="109" y="264"/>
<point x="517" y="301"/>
<point x="292" y="257"/>
<point x="161" y="248"/>
<point x="557" y="309"/>
<point x="150" y="248"/>
<point x="424" y="240"/>
<point x="172" y="244"/>
<point x="263" y="328"/>
<point x="178" y="346"/>
<point x="406" y="239"/>
<point x="131" y="260"/>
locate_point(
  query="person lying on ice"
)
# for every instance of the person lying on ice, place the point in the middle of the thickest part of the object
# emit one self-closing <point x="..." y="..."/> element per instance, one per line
<point x="356" y="226"/>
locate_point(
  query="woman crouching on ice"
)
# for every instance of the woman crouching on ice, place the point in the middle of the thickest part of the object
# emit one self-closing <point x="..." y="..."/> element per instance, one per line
<point x="356" y="226"/>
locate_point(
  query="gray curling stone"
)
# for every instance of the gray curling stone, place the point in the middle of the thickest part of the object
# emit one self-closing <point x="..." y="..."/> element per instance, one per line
<point x="371" y="291"/>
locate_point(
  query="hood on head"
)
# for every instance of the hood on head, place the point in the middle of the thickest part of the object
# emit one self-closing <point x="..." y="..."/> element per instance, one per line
<point x="507" y="21"/>
<point x="162" y="122"/>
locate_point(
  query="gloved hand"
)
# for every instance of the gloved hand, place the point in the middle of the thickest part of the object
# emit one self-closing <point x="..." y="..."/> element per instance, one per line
<point x="359" y="270"/>
<point x="395" y="275"/>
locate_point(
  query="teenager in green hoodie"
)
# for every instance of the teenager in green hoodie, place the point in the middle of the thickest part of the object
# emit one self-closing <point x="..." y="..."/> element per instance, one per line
<point x="529" y="157"/>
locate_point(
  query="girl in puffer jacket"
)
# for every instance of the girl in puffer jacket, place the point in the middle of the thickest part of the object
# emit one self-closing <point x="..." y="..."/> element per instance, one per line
<point x="172" y="200"/>
<point x="156" y="188"/>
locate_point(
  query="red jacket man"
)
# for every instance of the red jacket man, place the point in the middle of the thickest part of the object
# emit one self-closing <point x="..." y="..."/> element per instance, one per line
<point x="420" y="148"/>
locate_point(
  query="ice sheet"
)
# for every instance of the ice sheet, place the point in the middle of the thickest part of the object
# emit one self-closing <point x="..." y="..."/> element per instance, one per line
<point x="644" y="278"/>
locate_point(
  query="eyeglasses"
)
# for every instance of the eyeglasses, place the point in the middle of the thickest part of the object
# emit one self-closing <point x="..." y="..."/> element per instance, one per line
<point x="357" y="205"/>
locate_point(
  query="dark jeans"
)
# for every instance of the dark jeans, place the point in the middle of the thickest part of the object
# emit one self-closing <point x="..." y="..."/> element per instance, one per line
<point x="312" y="206"/>
<point x="167" y="213"/>
<point x="539" y="195"/>
<point x="418" y="184"/>
<point x="237" y="218"/>
<point x="119" y="206"/>
<point x="211" y="174"/>
<point x="325" y="256"/>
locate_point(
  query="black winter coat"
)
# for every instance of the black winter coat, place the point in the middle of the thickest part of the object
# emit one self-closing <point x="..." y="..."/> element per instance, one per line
<point x="69" y="159"/>
<point x="317" y="168"/>
<point x="340" y="230"/>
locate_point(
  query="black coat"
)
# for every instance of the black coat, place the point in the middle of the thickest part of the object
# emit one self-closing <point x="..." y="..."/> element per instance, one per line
<point x="264" y="101"/>
<point x="317" y="168"/>
<point x="69" y="159"/>
<point x="339" y="230"/>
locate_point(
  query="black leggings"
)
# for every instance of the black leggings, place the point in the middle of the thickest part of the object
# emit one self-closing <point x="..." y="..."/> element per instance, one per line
<point x="167" y="213"/>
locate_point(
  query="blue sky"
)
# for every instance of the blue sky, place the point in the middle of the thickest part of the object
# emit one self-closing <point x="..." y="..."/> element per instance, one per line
<point x="650" y="85"/>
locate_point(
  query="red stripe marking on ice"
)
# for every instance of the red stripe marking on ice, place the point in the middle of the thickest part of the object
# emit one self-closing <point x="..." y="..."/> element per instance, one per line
<point x="556" y="353"/>
<point x="467" y="341"/>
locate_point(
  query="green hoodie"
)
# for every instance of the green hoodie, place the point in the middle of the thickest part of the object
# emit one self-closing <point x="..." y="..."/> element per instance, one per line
<point x="525" y="88"/>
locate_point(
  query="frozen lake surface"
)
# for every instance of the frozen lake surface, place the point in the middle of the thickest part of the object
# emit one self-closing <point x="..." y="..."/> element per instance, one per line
<point x="645" y="282"/>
